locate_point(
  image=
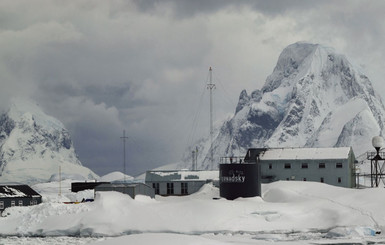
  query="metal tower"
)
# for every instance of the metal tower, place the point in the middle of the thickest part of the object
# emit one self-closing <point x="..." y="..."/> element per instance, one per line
<point x="124" y="154"/>
<point x="377" y="162"/>
<point x="211" y="86"/>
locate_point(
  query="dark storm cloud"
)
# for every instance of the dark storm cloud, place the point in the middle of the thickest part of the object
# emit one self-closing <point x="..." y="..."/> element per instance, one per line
<point x="184" y="8"/>
<point x="187" y="9"/>
<point x="111" y="94"/>
<point x="102" y="67"/>
<point x="279" y="7"/>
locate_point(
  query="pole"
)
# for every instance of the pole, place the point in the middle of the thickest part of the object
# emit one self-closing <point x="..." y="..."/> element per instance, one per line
<point x="124" y="154"/>
<point x="376" y="165"/>
<point x="196" y="158"/>
<point x="211" y="86"/>
<point x="193" y="160"/>
<point x="59" y="181"/>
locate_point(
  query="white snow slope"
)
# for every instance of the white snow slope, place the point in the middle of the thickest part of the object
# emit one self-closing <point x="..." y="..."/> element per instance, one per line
<point x="304" y="212"/>
<point x="33" y="145"/>
<point x="115" y="177"/>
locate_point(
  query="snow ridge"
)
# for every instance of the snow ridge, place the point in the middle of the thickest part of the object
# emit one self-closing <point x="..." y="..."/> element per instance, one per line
<point x="33" y="145"/>
<point x="314" y="98"/>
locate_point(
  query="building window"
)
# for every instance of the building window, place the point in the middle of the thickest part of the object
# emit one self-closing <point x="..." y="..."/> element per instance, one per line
<point x="304" y="165"/>
<point x="20" y="202"/>
<point x="287" y="165"/>
<point x="339" y="180"/>
<point x="322" y="179"/>
<point x="170" y="188"/>
<point x="304" y="179"/>
<point x="321" y="165"/>
<point x="156" y="188"/>
<point x="13" y="203"/>
<point x="339" y="165"/>
<point x="270" y="166"/>
<point x="184" y="190"/>
<point x="1" y="205"/>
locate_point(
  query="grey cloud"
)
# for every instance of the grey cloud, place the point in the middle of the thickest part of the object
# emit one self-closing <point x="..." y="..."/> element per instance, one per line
<point x="105" y="66"/>
<point x="187" y="9"/>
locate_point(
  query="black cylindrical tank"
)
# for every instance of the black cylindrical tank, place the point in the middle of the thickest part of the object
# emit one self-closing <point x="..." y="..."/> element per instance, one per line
<point x="239" y="180"/>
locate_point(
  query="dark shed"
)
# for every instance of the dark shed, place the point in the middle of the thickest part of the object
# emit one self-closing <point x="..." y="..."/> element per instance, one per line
<point x="17" y="195"/>
<point x="81" y="186"/>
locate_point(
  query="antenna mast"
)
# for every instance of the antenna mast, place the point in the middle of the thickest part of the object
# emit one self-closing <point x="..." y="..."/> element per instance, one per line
<point x="59" y="180"/>
<point x="211" y="86"/>
<point x="124" y="154"/>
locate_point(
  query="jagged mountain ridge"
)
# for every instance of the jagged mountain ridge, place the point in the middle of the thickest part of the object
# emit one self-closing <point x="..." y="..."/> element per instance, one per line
<point x="314" y="98"/>
<point x="33" y="145"/>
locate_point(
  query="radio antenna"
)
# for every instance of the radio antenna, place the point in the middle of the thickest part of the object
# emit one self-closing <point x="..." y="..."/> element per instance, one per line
<point x="124" y="154"/>
<point x="211" y="86"/>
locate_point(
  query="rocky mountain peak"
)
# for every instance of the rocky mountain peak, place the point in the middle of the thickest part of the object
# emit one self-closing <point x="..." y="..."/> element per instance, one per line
<point x="33" y="145"/>
<point x="315" y="98"/>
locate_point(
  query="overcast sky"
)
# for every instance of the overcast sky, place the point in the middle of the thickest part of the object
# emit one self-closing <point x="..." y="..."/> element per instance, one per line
<point x="102" y="67"/>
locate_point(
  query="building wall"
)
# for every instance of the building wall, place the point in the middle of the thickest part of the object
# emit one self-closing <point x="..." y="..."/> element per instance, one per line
<point x="192" y="187"/>
<point x="144" y="190"/>
<point x="131" y="190"/>
<point x="25" y="201"/>
<point x="81" y="186"/>
<point x="273" y="170"/>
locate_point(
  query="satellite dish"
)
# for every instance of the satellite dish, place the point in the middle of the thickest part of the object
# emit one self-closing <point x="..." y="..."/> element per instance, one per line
<point x="378" y="142"/>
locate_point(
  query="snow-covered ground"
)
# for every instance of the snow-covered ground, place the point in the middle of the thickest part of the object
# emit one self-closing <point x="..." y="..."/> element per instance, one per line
<point x="288" y="213"/>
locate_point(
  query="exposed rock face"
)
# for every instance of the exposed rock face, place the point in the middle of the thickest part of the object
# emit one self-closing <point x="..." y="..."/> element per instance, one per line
<point x="313" y="98"/>
<point x="33" y="145"/>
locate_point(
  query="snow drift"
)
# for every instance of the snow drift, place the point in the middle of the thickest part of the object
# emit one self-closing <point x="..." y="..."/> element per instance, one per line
<point x="286" y="207"/>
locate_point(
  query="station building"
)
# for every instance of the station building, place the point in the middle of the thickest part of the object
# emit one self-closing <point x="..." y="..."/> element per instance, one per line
<point x="334" y="166"/>
<point x="179" y="182"/>
<point x="18" y="195"/>
<point x="131" y="189"/>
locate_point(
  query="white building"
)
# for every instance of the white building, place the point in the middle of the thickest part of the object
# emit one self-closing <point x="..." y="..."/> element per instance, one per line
<point x="131" y="189"/>
<point x="179" y="182"/>
<point x="334" y="166"/>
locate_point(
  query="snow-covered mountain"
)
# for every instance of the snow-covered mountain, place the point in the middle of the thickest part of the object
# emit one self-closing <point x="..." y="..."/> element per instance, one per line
<point x="314" y="98"/>
<point x="33" y="145"/>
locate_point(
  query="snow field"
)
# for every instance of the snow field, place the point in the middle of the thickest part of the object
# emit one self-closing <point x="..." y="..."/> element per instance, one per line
<point x="289" y="211"/>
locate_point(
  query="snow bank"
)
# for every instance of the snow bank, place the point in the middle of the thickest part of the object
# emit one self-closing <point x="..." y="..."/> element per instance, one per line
<point x="115" y="176"/>
<point x="160" y="239"/>
<point x="286" y="208"/>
